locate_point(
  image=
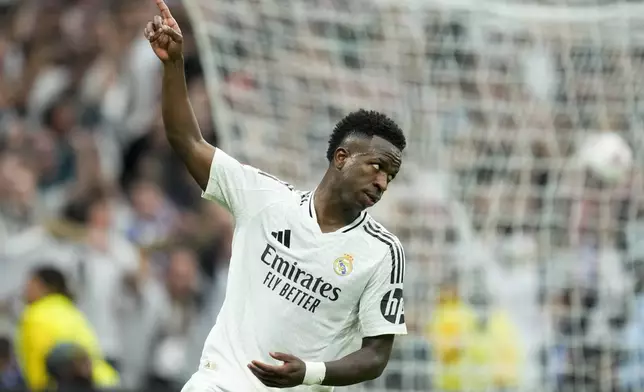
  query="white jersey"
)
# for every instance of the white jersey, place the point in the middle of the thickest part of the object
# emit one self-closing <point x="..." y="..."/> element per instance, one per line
<point x="292" y="288"/>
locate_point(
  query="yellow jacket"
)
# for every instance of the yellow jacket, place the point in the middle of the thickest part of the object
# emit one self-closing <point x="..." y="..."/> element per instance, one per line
<point x="51" y="320"/>
<point x="471" y="358"/>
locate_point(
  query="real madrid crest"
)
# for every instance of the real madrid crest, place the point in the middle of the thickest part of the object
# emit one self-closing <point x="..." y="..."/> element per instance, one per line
<point x="343" y="265"/>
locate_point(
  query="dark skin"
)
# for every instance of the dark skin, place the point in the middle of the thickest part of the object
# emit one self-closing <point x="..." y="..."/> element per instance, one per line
<point x="358" y="175"/>
<point x="365" y="364"/>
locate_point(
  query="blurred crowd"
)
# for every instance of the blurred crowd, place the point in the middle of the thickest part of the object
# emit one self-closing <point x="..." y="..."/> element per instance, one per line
<point x="524" y="273"/>
<point x="523" y="270"/>
<point x="529" y="267"/>
<point x="89" y="187"/>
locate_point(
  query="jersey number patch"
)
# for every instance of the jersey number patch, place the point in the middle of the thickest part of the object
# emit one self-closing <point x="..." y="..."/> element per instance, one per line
<point x="391" y="306"/>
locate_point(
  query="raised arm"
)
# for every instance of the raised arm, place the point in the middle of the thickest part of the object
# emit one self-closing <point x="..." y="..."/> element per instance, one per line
<point x="181" y="126"/>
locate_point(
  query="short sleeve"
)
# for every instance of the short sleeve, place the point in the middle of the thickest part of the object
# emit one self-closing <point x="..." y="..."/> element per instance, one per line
<point x="242" y="189"/>
<point x="382" y="305"/>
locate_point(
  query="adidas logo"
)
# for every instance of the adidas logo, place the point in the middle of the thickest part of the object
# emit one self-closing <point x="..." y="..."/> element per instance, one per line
<point x="283" y="237"/>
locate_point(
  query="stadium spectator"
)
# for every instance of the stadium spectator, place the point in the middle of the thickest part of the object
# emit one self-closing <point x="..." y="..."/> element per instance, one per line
<point x="630" y="370"/>
<point x="154" y="219"/>
<point x="104" y="261"/>
<point x="178" y="305"/>
<point x="78" y="113"/>
<point x="50" y="318"/>
<point x="476" y="348"/>
<point x="513" y="279"/>
<point x="70" y="368"/>
<point x="10" y="376"/>
<point x="452" y="323"/>
<point x="20" y="207"/>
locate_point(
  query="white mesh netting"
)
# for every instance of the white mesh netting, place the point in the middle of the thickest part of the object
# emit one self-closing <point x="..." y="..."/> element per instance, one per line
<point x="494" y="97"/>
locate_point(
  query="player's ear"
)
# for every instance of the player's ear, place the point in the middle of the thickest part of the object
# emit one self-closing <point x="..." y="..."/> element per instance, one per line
<point x="340" y="157"/>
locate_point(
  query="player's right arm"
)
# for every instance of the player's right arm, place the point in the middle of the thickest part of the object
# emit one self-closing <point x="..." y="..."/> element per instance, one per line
<point x="242" y="189"/>
<point x="182" y="129"/>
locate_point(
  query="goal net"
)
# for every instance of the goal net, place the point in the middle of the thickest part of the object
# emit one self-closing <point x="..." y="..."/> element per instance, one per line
<point x="523" y="272"/>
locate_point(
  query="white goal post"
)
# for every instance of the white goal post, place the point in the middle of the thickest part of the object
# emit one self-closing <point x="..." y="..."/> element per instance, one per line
<point x="494" y="96"/>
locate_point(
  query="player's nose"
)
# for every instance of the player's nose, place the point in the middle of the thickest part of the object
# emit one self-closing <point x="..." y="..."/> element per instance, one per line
<point x="381" y="182"/>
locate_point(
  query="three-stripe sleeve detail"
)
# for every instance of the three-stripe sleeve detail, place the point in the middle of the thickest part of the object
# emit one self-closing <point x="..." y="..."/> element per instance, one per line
<point x="395" y="250"/>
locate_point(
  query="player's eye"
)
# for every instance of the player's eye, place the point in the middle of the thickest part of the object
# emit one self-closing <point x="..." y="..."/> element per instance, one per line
<point x="376" y="166"/>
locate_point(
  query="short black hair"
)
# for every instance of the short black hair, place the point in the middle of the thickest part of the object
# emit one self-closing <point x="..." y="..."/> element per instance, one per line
<point x="77" y="210"/>
<point x="54" y="279"/>
<point x="367" y="123"/>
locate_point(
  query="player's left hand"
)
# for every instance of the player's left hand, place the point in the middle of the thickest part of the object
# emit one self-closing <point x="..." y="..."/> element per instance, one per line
<point x="289" y="374"/>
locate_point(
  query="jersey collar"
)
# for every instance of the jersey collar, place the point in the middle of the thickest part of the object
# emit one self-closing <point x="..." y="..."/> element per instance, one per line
<point x="362" y="218"/>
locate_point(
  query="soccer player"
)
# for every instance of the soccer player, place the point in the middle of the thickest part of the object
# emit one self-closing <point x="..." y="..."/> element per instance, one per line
<point x="310" y="271"/>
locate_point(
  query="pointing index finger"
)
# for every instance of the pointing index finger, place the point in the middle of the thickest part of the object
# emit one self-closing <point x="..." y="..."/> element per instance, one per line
<point x="167" y="15"/>
<point x="163" y="7"/>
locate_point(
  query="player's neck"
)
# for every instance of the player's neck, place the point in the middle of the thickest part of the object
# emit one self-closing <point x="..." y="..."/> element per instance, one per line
<point x="331" y="213"/>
